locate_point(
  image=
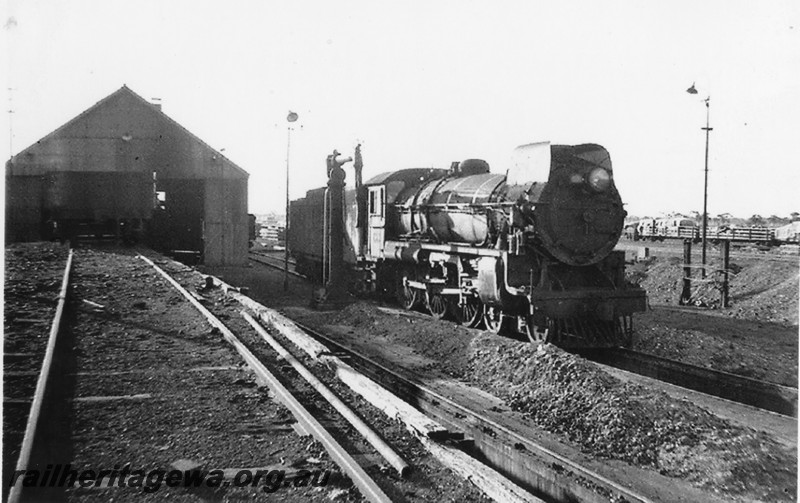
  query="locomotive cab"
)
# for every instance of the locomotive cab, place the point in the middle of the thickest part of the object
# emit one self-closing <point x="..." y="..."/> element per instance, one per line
<point x="376" y="211"/>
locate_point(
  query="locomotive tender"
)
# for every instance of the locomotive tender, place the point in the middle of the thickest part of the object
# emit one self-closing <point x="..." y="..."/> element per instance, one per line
<point x="531" y="250"/>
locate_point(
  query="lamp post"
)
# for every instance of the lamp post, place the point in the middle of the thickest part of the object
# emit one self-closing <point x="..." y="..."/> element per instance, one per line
<point x="708" y="130"/>
<point x="292" y="117"/>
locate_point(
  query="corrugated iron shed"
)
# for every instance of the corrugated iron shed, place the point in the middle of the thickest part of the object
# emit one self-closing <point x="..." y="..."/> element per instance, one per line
<point x="204" y="194"/>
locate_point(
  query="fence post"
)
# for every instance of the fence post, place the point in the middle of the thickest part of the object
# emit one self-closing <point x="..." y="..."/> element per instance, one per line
<point x="686" y="294"/>
<point x="725" y="250"/>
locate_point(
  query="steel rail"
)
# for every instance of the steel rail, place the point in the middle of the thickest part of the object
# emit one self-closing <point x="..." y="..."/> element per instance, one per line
<point x="760" y="394"/>
<point x="262" y="259"/>
<point x="270" y="255"/>
<point x="33" y="424"/>
<point x="369" y="489"/>
<point x="532" y="466"/>
<point x="368" y="433"/>
<point x="763" y="395"/>
<point x="523" y="462"/>
<point x="493" y="484"/>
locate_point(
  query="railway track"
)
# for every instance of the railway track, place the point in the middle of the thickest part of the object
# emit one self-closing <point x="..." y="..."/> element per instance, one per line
<point x="301" y="407"/>
<point x="274" y="262"/>
<point x="41" y="398"/>
<point x="523" y="462"/>
<point x="533" y="467"/>
<point x="760" y="394"/>
<point x="368" y="487"/>
<point x="100" y="408"/>
<point x="773" y="423"/>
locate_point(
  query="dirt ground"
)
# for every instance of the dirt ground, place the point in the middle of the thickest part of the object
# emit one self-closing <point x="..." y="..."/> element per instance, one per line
<point x="605" y="417"/>
<point x="756" y="336"/>
<point x="150" y="385"/>
<point x="33" y="276"/>
<point x="137" y="334"/>
<point x="564" y="394"/>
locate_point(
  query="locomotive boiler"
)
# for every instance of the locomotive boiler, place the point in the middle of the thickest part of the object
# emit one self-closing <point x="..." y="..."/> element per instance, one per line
<point x="531" y="250"/>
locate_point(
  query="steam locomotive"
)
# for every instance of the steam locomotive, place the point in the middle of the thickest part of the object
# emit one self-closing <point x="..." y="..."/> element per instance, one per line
<point x="531" y="251"/>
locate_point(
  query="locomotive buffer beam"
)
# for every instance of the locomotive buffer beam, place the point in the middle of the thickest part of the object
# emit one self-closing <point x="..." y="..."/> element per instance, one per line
<point x="604" y="304"/>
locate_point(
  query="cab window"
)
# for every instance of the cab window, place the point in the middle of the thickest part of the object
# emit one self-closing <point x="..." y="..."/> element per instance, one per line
<point x="376" y="198"/>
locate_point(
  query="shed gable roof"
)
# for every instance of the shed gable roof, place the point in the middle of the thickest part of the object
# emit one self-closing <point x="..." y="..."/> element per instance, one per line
<point x="112" y="119"/>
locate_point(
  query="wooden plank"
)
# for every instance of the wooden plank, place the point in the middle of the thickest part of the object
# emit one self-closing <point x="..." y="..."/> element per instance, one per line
<point x="417" y="422"/>
<point x="363" y="429"/>
<point x="489" y="481"/>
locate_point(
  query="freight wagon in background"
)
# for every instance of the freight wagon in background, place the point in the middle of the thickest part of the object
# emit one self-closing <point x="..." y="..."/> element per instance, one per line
<point x="659" y="229"/>
<point x="789" y="234"/>
<point x="756" y="234"/>
<point x="662" y="228"/>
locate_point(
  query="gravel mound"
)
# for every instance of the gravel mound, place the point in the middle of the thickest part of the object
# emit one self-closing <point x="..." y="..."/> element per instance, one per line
<point x="608" y="418"/>
<point x="444" y="343"/>
<point x="568" y="395"/>
<point x="759" y="290"/>
<point x="356" y="315"/>
<point x="768" y="292"/>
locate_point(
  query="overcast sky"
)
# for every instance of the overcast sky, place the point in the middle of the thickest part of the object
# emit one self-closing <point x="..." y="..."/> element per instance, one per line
<point x="424" y="83"/>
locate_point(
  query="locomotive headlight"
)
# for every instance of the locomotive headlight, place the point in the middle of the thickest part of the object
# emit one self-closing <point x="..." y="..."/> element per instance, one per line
<point x="599" y="180"/>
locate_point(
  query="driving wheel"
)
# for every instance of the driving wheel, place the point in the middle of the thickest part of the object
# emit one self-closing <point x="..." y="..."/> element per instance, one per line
<point x="406" y="295"/>
<point x="437" y="304"/>
<point x="470" y="313"/>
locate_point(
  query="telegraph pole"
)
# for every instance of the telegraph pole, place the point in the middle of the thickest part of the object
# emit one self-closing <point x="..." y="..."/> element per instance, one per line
<point x="292" y="117"/>
<point x="707" y="129"/>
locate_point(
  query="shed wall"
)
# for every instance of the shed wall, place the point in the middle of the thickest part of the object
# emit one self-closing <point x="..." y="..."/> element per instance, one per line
<point x="207" y="193"/>
<point x="24" y="196"/>
<point x="226" y="224"/>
